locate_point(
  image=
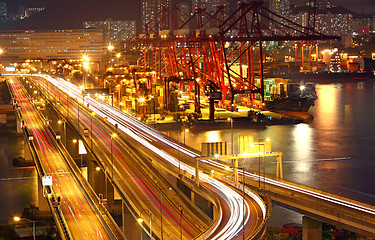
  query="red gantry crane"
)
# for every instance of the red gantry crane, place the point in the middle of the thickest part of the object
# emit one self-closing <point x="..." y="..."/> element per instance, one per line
<point x="205" y="58"/>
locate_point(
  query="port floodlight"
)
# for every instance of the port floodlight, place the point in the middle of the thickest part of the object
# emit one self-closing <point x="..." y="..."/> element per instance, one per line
<point x="16" y="219"/>
<point x="110" y="47"/>
<point x="302" y="87"/>
<point x="85" y="58"/>
<point x="74" y="140"/>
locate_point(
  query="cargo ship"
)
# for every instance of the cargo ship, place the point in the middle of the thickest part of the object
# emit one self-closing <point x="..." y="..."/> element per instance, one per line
<point x="283" y="95"/>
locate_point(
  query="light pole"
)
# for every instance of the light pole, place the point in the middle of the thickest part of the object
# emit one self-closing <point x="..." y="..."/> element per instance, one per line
<point x="80" y="166"/>
<point x="17" y="219"/>
<point x="243" y="196"/>
<point x="64" y="131"/>
<point x="161" y="211"/>
<point x="185" y="131"/>
<point x="78" y="115"/>
<point x="140" y="220"/>
<point x="113" y="135"/>
<point x="91" y="115"/>
<point x="231" y="128"/>
<point x="264" y="150"/>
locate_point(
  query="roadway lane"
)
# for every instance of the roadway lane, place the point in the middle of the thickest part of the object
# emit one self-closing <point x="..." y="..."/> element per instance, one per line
<point x="231" y="223"/>
<point x="82" y="220"/>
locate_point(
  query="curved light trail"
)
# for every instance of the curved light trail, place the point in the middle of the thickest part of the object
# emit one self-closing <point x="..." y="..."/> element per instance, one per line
<point x="145" y="136"/>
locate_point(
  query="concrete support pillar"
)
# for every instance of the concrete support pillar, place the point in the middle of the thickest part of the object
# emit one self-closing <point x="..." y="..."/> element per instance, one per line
<point x="130" y="226"/>
<point x="100" y="184"/>
<point x="312" y="229"/>
<point x="42" y="201"/>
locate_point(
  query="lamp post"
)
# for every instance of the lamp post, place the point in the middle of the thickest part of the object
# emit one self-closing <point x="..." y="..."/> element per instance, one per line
<point x="231" y="128"/>
<point x="161" y="211"/>
<point x="78" y="115"/>
<point x="185" y="131"/>
<point x="140" y="220"/>
<point x="243" y="195"/>
<point x="264" y="150"/>
<point x="17" y="219"/>
<point x="91" y="115"/>
<point x="113" y="135"/>
<point x="64" y="132"/>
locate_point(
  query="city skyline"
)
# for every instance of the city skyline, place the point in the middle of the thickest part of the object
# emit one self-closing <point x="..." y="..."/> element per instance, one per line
<point x="55" y="15"/>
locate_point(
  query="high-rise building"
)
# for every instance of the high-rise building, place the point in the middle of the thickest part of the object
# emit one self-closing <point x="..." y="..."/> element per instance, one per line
<point x="3" y="10"/>
<point x="114" y="31"/>
<point x="182" y="14"/>
<point x="320" y="4"/>
<point x="156" y="15"/>
<point x="331" y="21"/>
<point x="280" y="7"/>
<point x="211" y="6"/>
<point x="20" y="45"/>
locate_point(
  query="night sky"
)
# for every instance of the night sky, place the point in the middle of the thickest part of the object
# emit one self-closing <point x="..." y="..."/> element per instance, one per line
<point x="71" y="13"/>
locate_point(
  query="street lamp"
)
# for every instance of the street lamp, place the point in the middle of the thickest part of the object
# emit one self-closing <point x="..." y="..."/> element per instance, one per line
<point x="140" y="220"/>
<point x="231" y="127"/>
<point x="264" y="150"/>
<point x="161" y="210"/>
<point x="91" y="115"/>
<point x="17" y="219"/>
<point x="243" y="194"/>
<point x="64" y="132"/>
<point x="75" y="141"/>
<point x="113" y="135"/>
<point x="185" y="131"/>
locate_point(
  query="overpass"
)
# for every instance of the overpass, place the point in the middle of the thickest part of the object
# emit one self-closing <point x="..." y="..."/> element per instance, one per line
<point x="330" y="208"/>
<point x="134" y="161"/>
<point x="79" y="216"/>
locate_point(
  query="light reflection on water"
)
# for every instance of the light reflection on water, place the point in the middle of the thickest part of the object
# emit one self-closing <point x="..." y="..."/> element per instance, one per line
<point x="335" y="152"/>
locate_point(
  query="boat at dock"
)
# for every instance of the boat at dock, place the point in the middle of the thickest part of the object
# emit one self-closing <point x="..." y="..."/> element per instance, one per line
<point x="284" y="95"/>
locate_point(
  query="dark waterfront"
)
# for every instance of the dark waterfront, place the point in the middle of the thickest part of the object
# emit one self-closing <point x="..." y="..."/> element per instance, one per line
<point x="17" y="185"/>
<point x="335" y="152"/>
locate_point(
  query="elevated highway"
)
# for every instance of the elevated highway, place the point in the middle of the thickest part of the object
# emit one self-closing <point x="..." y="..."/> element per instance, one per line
<point x="134" y="162"/>
<point x="81" y="216"/>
